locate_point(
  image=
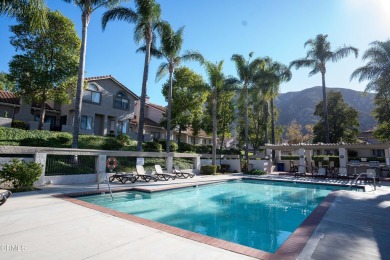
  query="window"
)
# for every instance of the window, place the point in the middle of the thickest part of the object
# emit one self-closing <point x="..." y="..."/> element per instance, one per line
<point x="122" y="127"/>
<point x="121" y="101"/>
<point x="86" y="122"/>
<point x="92" y="94"/>
<point x="155" y="135"/>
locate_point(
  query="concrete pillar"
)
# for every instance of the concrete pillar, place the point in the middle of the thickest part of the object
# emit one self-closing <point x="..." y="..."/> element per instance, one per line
<point x="387" y="157"/>
<point x="278" y="155"/>
<point x="169" y="163"/>
<point x="308" y="156"/>
<point x="100" y="164"/>
<point x="196" y="161"/>
<point x="41" y="159"/>
<point x="302" y="163"/>
<point x="343" y="157"/>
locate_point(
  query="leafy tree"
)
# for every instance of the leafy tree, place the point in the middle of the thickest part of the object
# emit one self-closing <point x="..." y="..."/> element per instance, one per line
<point x="5" y="83"/>
<point x="188" y="95"/>
<point x="294" y="133"/>
<point x="171" y="44"/>
<point x="35" y="10"/>
<point x="87" y="7"/>
<point x="146" y="19"/>
<point x="318" y="55"/>
<point x="46" y="67"/>
<point x="247" y="72"/>
<point x="377" y="72"/>
<point x="343" y="120"/>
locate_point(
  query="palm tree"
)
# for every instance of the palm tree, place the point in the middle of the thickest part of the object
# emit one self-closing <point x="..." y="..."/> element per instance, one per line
<point x="87" y="7"/>
<point x="171" y="43"/>
<point x="316" y="58"/>
<point x="35" y="9"/>
<point x="216" y="79"/>
<point x="279" y="73"/>
<point x="247" y="75"/>
<point x="377" y="70"/>
<point x="146" y="19"/>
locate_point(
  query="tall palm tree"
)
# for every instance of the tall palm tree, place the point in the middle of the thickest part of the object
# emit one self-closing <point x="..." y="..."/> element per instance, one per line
<point x="317" y="56"/>
<point x="35" y="9"/>
<point x="279" y="73"/>
<point x="247" y="71"/>
<point x="146" y="18"/>
<point x="377" y="70"/>
<point x="171" y="44"/>
<point x="87" y="7"/>
<point x="216" y="81"/>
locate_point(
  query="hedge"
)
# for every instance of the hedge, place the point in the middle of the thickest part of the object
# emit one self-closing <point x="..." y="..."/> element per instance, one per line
<point x="208" y="169"/>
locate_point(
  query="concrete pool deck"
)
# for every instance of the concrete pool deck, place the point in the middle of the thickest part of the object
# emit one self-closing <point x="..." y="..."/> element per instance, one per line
<point x="36" y="225"/>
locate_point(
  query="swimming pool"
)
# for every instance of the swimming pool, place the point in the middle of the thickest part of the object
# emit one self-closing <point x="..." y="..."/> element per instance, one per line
<point x="258" y="214"/>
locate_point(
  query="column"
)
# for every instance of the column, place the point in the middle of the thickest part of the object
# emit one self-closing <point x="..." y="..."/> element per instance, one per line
<point x="41" y="159"/>
<point x="308" y="156"/>
<point x="196" y="161"/>
<point x="105" y="125"/>
<point x="301" y="165"/>
<point x="169" y="162"/>
<point x="343" y="157"/>
<point x="387" y="157"/>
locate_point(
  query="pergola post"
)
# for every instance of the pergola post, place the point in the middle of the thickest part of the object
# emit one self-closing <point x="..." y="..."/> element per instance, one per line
<point x="387" y="157"/>
<point x="343" y="157"/>
<point x="301" y="153"/>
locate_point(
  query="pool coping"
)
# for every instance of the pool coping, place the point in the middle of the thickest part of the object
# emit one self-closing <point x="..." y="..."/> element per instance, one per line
<point x="290" y="249"/>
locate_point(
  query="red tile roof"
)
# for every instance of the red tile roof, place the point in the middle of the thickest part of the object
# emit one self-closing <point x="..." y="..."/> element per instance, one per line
<point x="163" y="109"/>
<point x="9" y="97"/>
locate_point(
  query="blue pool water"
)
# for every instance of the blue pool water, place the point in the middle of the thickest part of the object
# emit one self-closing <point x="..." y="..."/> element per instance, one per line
<point x="258" y="214"/>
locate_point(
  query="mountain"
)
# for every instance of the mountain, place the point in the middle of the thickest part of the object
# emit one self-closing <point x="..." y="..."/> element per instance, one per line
<point x="300" y="106"/>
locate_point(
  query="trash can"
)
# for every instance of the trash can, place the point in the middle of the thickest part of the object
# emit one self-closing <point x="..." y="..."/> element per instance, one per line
<point x="280" y="166"/>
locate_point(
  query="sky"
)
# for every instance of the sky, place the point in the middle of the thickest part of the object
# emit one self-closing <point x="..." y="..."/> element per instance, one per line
<point x="220" y="28"/>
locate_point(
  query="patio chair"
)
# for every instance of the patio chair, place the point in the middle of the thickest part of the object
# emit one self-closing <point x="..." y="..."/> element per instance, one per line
<point x="160" y="174"/>
<point x="342" y="173"/>
<point x="293" y="168"/>
<point x="123" y="177"/>
<point x="179" y="173"/>
<point x="4" y="195"/>
<point x="320" y="173"/>
<point x="301" y="171"/>
<point x="371" y="175"/>
<point x="146" y="176"/>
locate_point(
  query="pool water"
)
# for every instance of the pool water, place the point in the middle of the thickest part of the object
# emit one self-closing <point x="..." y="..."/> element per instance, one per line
<point x="258" y="214"/>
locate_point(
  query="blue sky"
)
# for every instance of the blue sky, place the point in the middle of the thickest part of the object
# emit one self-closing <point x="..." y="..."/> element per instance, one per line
<point x="220" y="28"/>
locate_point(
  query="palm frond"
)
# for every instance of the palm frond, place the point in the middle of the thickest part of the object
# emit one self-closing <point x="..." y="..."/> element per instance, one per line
<point x="162" y="70"/>
<point x="190" y="55"/>
<point x="119" y="13"/>
<point x="300" y="63"/>
<point x="343" y="52"/>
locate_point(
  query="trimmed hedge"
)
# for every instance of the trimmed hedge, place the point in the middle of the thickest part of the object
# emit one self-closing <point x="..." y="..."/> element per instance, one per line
<point x="19" y="124"/>
<point x="152" y="147"/>
<point x="21" y="174"/>
<point x="208" y="169"/>
<point x="173" y="145"/>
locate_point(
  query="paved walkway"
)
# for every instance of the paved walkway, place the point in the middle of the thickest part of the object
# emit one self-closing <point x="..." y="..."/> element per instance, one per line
<point x="35" y="225"/>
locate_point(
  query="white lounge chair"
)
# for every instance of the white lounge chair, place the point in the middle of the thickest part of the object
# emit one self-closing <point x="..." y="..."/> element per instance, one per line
<point x="320" y="173"/>
<point x="160" y="174"/>
<point x="179" y="173"/>
<point x="343" y="173"/>
<point x="142" y="174"/>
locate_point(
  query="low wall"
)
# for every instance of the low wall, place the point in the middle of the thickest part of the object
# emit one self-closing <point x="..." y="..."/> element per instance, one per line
<point x="232" y="160"/>
<point x="71" y="179"/>
<point x="258" y="165"/>
<point x="5" y="122"/>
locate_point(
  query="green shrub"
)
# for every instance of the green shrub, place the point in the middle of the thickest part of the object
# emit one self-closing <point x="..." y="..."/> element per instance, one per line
<point x="19" y="124"/>
<point x="202" y="149"/>
<point x="183" y="147"/>
<point x="256" y="172"/>
<point x="34" y="142"/>
<point x="124" y="139"/>
<point x="21" y="174"/>
<point x="218" y="168"/>
<point x="290" y="157"/>
<point x="152" y="147"/>
<point x="225" y="168"/>
<point x="112" y="143"/>
<point x="208" y="169"/>
<point x="173" y="145"/>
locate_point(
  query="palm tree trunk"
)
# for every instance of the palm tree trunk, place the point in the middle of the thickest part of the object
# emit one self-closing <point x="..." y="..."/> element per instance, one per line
<point x="272" y="127"/>
<point x="325" y="101"/>
<point x="246" y="129"/>
<point x="42" y="115"/>
<point x="80" y="80"/>
<point x="265" y="110"/>
<point x="214" y="151"/>
<point x="169" y="116"/>
<point x="140" y="136"/>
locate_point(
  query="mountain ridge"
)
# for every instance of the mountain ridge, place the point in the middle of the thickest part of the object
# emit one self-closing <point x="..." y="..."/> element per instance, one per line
<point x="300" y="106"/>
